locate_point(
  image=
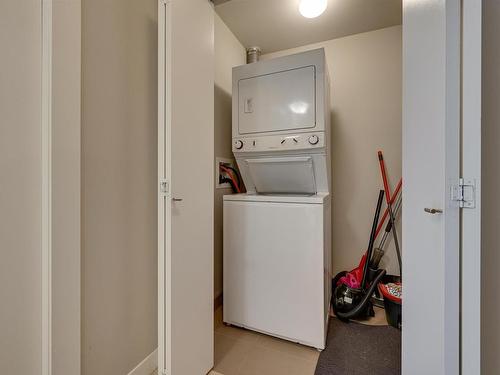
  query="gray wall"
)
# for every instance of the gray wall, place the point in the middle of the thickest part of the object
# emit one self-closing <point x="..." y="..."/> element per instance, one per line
<point x="366" y="102"/>
<point x="490" y="211"/>
<point x="229" y="52"/>
<point x="119" y="192"/>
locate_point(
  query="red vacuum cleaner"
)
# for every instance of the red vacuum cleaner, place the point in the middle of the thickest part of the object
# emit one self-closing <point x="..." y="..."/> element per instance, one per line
<point x="351" y="300"/>
<point x="353" y="290"/>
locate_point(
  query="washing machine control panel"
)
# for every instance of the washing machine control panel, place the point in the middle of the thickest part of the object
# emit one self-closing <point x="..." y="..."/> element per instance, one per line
<point x="283" y="142"/>
<point x="238" y="144"/>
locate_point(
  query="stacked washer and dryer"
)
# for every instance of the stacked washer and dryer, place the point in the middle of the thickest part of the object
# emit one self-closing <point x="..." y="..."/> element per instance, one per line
<point x="277" y="236"/>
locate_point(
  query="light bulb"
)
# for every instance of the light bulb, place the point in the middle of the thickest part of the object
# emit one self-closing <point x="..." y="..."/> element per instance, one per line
<point x="312" y="8"/>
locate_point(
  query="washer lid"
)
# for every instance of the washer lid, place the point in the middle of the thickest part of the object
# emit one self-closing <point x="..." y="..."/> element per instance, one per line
<point x="319" y="198"/>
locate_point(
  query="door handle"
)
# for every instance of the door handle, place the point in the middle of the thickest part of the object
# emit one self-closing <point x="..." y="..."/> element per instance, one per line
<point x="177" y="199"/>
<point x="433" y="210"/>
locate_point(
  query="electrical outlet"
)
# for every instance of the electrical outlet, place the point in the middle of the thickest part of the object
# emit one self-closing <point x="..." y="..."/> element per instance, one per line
<point x="218" y="175"/>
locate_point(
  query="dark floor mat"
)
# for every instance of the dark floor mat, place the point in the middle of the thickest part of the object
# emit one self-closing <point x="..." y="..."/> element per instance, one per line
<point x="357" y="349"/>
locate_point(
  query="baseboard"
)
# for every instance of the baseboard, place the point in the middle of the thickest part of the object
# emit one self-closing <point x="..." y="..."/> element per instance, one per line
<point x="147" y="366"/>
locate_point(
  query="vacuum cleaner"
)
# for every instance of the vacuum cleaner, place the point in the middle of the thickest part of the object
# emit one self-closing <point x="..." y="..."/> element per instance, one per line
<point x="351" y="298"/>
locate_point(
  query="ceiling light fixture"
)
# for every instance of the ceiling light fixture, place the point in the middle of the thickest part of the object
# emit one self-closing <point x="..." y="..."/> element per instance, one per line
<point x="312" y="8"/>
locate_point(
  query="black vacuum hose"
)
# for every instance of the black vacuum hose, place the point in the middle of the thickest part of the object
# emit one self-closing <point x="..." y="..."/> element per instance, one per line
<point x="354" y="312"/>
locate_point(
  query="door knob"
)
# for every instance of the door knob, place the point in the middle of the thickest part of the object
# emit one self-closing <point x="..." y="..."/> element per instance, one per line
<point x="433" y="210"/>
<point x="177" y="199"/>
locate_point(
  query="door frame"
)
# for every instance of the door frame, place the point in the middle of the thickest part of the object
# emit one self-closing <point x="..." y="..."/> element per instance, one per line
<point x="46" y="186"/>
<point x="471" y="169"/>
<point x="60" y="236"/>
<point x="164" y="178"/>
<point x="468" y="307"/>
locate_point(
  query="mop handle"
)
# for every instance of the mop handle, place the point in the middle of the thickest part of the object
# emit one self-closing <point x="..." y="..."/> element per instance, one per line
<point x="372" y="238"/>
<point x="389" y="224"/>
<point x="389" y="207"/>
<point x="386" y="212"/>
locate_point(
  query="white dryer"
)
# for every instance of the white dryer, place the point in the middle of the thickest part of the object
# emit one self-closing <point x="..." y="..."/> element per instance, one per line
<point x="277" y="247"/>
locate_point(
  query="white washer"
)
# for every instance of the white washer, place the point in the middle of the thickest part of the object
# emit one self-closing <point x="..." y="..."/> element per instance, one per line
<point x="277" y="262"/>
<point x="276" y="265"/>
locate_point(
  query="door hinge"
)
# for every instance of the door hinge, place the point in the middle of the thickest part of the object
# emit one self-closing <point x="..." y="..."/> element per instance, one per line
<point x="164" y="187"/>
<point x="464" y="193"/>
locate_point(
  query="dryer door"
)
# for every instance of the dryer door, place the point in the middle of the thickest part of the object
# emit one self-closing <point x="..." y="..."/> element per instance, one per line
<point x="284" y="175"/>
<point x="278" y="101"/>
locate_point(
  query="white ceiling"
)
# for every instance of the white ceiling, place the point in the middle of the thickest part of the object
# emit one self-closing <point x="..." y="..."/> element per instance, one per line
<point x="275" y="25"/>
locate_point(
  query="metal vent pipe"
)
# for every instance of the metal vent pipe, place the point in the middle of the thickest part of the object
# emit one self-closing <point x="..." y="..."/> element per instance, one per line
<point x="253" y="54"/>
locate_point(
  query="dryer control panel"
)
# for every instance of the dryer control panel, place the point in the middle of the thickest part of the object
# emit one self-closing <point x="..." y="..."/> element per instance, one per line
<point x="283" y="142"/>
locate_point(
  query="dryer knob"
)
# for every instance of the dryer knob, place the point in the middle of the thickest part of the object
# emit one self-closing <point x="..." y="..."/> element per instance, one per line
<point x="238" y="144"/>
<point x="313" y="139"/>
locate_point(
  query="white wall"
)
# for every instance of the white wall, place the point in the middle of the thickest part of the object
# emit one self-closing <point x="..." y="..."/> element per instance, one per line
<point x="119" y="184"/>
<point x="366" y="105"/>
<point x="229" y="52"/>
<point x="490" y="293"/>
<point x="20" y="187"/>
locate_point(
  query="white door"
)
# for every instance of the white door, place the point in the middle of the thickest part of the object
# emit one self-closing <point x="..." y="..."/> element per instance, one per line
<point x="186" y="158"/>
<point x="431" y="164"/>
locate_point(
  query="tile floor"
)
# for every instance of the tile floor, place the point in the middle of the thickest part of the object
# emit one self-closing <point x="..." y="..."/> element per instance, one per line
<point x="211" y="373"/>
<point x="243" y="352"/>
